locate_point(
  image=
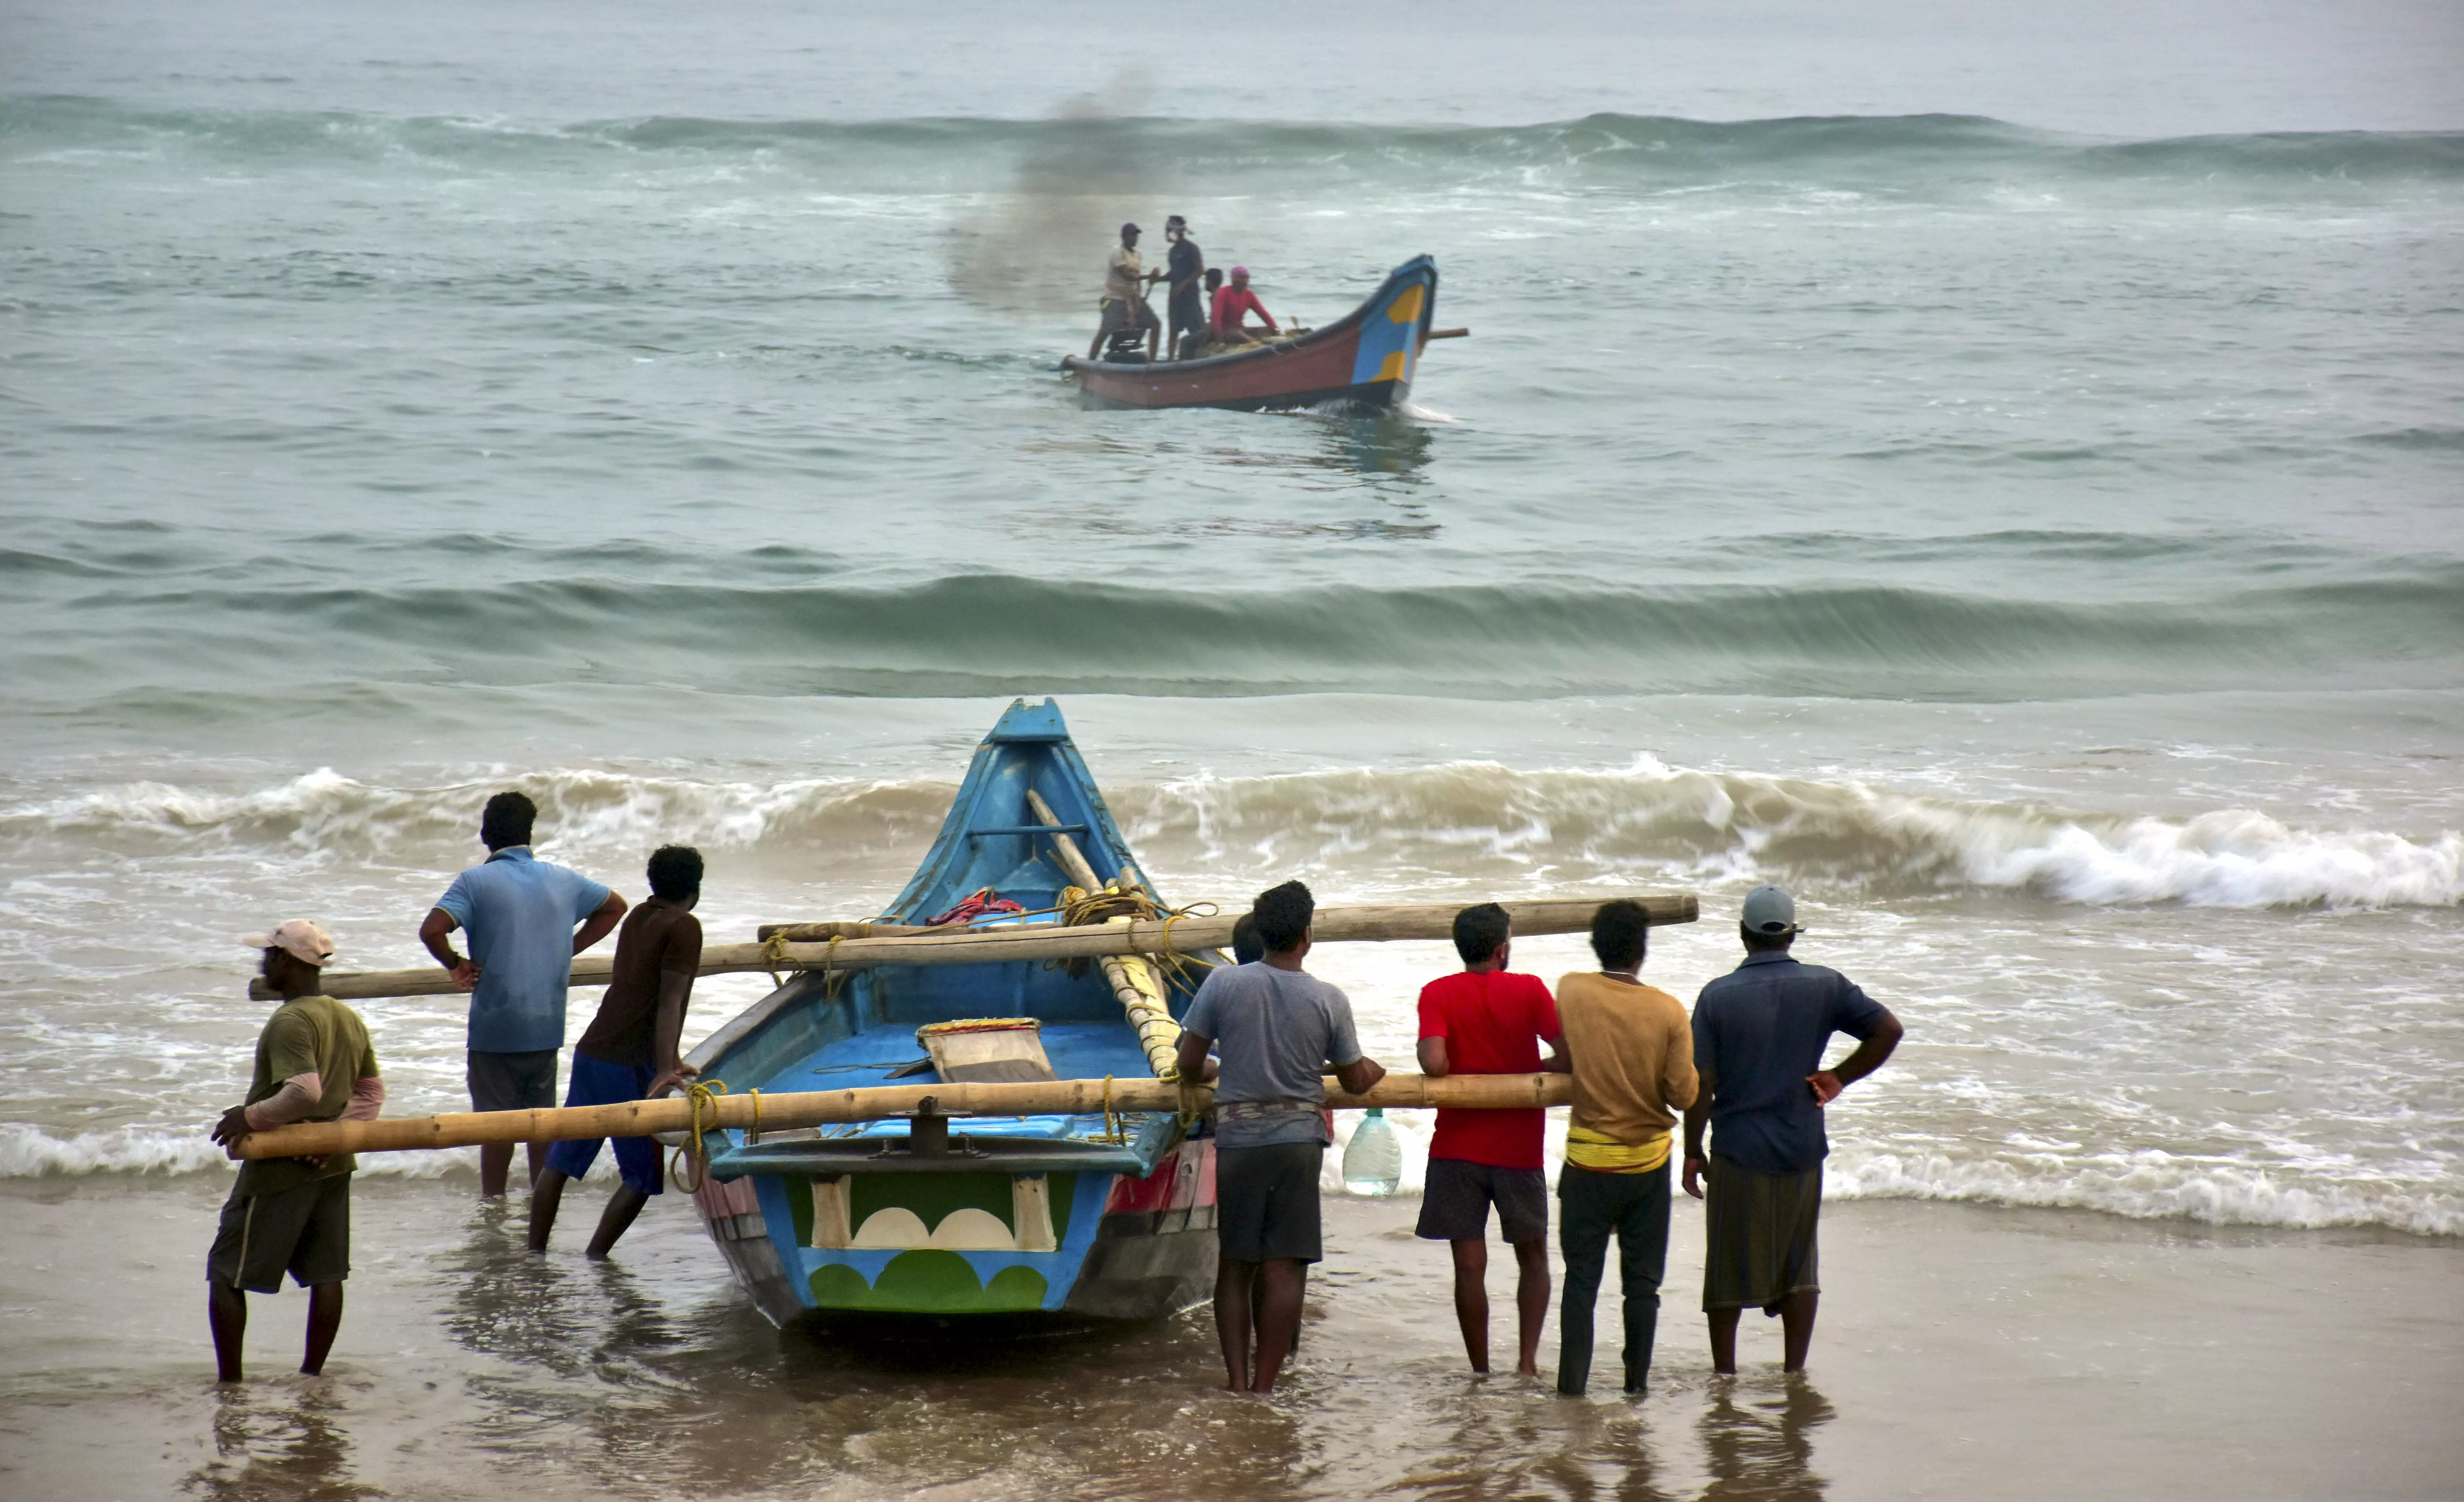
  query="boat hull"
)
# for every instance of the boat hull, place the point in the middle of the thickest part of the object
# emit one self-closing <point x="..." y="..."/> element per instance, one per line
<point x="1363" y="362"/>
<point x="1050" y="1220"/>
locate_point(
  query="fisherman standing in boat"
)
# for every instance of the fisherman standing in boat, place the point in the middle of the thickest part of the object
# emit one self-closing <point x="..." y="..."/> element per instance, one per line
<point x="1184" y="268"/>
<point x="314" y="1063"/>
<point x="630" y="1050"/>
<point x="1277" y="1028"/>
<point x="1124" y="304"/>
<point x="520" y="913"/>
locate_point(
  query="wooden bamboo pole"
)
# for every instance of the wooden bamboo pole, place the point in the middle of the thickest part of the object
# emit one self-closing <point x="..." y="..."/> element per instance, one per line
<point x="872" y="1104"/>
<point x="1047" y="942"/>
<point x="843" y="928"/>
<point x="1134" y="984"/>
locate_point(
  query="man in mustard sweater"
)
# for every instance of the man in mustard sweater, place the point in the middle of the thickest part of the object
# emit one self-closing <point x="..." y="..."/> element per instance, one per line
<point x="1632" y="1056"/>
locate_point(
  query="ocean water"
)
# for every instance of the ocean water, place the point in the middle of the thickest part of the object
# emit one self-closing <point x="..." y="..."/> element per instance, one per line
<point x="2009" y="496"/>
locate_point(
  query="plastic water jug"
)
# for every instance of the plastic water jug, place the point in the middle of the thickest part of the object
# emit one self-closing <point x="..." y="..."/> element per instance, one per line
<point x="1372" y="1161"/>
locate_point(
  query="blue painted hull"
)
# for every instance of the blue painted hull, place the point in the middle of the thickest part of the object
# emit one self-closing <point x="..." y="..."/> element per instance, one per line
<point x="1036" y="1216"/>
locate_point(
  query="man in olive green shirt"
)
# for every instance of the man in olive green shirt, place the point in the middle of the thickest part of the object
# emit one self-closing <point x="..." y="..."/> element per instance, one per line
<point x="314" y="1063"/>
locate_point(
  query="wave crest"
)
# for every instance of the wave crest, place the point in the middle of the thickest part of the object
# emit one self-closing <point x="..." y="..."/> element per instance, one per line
<point x="1903" y="156"/>
<point x="2147" y="1184"/>
<point x="1455" y="826"/>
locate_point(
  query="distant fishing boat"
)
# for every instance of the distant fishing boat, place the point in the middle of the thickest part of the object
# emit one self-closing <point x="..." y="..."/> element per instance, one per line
<point x="1364" y="359"/>
<point x="1064" y="1216"/>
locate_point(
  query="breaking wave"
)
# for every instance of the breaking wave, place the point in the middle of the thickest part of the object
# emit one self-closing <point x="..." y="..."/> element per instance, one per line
<point x="28" y="1152"/>
<point x="2149" y="1184"/>
<point x="1433" y="829"/>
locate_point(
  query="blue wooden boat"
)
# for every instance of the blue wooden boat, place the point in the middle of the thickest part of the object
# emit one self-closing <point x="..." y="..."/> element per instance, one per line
<point x="1062" y="1217"/>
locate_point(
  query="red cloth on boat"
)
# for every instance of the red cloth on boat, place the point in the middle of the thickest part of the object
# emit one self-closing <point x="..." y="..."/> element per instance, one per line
<point x="1232" y="303"/>
<point x="979" y="904"/>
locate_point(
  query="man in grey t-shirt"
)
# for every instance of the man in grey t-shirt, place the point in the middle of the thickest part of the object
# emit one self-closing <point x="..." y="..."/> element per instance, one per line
<point x="1275" y="1029"/>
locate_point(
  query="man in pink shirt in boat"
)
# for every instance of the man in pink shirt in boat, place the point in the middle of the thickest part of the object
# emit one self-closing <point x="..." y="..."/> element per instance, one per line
<point x="1234" y="302"/>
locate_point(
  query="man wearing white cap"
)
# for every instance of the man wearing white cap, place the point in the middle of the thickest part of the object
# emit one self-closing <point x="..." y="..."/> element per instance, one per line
<point x="1759" y="1036"/>
<point x="314" y="1063"/>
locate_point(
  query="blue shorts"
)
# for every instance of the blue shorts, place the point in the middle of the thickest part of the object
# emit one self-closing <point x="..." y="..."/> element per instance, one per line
<point x="596" y="1082"/>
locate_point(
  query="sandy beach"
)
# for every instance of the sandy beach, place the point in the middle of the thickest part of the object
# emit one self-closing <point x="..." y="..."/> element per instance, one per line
<point x="1964" y="1353"/>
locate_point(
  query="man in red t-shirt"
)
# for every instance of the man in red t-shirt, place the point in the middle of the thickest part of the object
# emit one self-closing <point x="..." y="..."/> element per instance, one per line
<point x="1488" y="1021"/>
<point x="1229" y="320"/>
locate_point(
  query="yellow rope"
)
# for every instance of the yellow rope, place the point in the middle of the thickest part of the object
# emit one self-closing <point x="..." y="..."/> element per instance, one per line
<point x="702" y="1093"/>
<point x="775" y="953"/>
<point x="832" y="978"/>
<point x="755" y="1135"/>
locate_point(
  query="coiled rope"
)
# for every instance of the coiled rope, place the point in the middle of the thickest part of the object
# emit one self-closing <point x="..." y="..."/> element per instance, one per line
<point x="704" y="1095"/>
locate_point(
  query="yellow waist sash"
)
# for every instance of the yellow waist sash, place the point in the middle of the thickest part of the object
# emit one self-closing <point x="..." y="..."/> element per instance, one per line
<point x="1600" y="1153"/>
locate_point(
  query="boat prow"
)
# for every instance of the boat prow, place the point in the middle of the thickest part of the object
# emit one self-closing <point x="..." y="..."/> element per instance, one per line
<point x="1363" y="360"/>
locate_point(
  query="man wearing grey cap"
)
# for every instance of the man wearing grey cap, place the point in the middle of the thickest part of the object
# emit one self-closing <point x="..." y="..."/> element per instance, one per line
<point x="1759" y="1036"/>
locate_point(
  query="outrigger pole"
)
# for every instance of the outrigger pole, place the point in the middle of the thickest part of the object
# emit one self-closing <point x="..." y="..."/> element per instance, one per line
<point x="1164" y="936"/>
<point x="881" y="1102"/>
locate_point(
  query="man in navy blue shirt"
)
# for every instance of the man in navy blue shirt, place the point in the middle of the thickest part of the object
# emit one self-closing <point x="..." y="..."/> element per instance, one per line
<point x="1182" y="269"/>
<point x="1759" y="1036"/>
<point x="519" y="913"/>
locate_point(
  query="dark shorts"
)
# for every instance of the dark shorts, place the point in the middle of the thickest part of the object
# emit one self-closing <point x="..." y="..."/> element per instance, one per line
<point x="1120" y="314"/>
<point x="1454" y="1205"/>
<point x="305" y="1230"/>
<point x="513" y="1081"/>
<point x="1266" y="1202"/>
<point x="1758" y="1231"/>
<point x="595" y="1081"/>
<point x="1188" y="312"/>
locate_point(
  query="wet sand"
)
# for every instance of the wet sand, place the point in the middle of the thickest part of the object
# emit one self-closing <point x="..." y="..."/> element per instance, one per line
<point x="1964" y="1352"/>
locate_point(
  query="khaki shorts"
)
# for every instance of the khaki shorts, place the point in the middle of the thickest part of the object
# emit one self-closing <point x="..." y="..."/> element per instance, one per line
<point x="1120" y="314"/>
<point x="305" y="1230"/>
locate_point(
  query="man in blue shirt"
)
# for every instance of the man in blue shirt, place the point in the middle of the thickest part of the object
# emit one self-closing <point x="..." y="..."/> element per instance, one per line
<point x="520" y="913"/>
<point x="1759" y="1035"/>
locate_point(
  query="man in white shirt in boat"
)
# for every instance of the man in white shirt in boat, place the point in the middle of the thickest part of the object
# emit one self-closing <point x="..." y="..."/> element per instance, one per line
<point x="1124" y="304"/>
<point x="1277" y="1028"/>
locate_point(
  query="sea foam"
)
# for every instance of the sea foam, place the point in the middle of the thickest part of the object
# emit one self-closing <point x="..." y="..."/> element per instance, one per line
<point x="1650" y="820"/>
